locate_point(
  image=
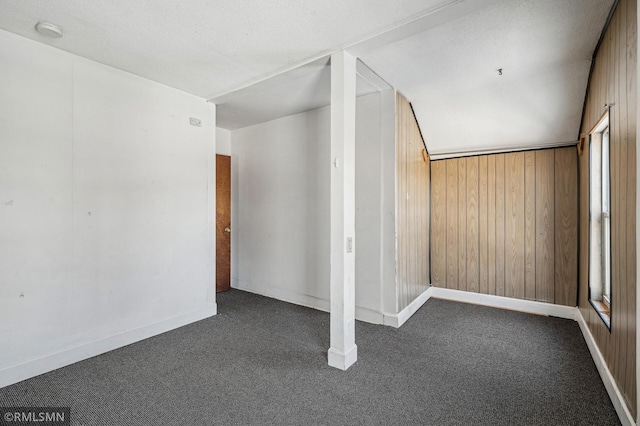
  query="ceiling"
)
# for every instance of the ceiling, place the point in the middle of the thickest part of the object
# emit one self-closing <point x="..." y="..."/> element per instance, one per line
<point x="261" y="60"/>
<point x="208" y="47"/>
<point x="544" y="48"/>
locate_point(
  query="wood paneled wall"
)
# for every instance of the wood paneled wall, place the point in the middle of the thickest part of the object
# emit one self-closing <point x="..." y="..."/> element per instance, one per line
<point x="613" y="82"/>
<point x="412" y="201"/>
<point x="507" y="225"/>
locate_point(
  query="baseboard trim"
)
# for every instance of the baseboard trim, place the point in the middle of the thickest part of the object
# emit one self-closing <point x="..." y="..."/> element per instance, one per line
<point x="396" y="320"/>
<point x="529" y="306"/>
<point x="560" y="311"/>
<point x="342" y="361"/>
<point x="607" y="378"/>
<point x="362" y="314"/>
<point x="19" y="372"/>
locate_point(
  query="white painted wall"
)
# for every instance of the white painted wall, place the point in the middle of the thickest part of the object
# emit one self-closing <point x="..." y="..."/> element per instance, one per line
<point x="280" y="207"/>
<point x="106" y="212"/>
<point x="280" y="228"/>
<point x="375" y="205"/>
<point x="223" y="141"/>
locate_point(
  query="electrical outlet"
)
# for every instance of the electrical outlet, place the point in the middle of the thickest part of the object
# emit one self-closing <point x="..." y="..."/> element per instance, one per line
<point x="195" y="122"/>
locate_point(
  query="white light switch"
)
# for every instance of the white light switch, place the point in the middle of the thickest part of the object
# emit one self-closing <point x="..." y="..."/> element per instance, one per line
<point x="349" y="244"/>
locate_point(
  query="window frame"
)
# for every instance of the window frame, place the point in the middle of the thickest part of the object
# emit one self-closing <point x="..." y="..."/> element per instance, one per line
<point x="600" y="219"/>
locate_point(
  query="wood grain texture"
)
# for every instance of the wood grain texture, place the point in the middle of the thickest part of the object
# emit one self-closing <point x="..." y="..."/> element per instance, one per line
<point x="402" y="208"/>
<point x="500" y="225"/>
<point x="530" y="225"/>
<point x="483" y="176"/>
<point x="514" y="229"/>
<point x="452" y="224"/>
<point x="613" y="82"/>
<point x="630" y="98"/>
<point x="462" y="224"/>
<point x="473" y="239"/>
<point x="438" y="223"/>
<point x="413" y="221"/>
<point x="566" y="226"/>
<point x="511" y="234"/>
<point x="491" y="224"/>
<point x="545" y="225"/>
<point x="223" y="221"/>
<point x="426" y="231"/>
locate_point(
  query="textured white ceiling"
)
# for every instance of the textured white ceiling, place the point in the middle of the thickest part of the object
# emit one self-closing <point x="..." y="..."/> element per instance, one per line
<point x="449" y="74"/>
<point x="303" y="89"/>
<point x="441" y="54"/>
<point x="209" y="47"/>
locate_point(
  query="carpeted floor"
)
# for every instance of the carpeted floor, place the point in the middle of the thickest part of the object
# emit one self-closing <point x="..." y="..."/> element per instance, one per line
<point x="263" y="362"/>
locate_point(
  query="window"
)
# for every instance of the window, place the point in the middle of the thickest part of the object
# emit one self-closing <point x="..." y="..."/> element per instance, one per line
<point x="600" y="221"/>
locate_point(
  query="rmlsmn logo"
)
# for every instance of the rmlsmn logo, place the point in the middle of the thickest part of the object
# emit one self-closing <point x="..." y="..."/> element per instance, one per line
<point x="29" y="416"/>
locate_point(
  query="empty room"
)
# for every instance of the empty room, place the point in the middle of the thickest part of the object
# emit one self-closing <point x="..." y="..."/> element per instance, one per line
<point x="411" y="212"/>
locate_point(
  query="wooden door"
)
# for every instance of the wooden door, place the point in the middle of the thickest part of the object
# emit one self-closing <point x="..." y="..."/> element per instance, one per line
<point x="223" y="223"/>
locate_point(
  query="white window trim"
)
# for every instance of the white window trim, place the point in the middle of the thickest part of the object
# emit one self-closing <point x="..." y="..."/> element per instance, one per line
<point x="600" y="220"/>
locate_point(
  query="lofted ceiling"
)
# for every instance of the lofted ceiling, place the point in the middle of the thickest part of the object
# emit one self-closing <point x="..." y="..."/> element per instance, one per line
<point x="463" y="104"/>
<point x="261" y="60"/>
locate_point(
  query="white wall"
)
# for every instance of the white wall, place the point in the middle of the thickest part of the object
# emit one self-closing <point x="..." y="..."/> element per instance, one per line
<point x="106" y="217"/>
<point x="375" y="205"/>
<point x="280" y="207"/>
<point x="223" y="141"/>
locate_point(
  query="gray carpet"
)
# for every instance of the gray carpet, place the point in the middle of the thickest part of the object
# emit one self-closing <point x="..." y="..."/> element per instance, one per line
<point x="263" y="362"/>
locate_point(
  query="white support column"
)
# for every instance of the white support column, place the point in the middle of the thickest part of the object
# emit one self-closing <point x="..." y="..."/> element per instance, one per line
<point x="211" y="189"/>
<point x="343" y="352"/>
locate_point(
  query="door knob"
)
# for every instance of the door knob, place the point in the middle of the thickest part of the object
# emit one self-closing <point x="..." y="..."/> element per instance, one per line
<point x="227" y="230"/>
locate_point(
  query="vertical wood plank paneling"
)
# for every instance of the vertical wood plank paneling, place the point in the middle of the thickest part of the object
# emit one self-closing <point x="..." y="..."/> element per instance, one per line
<point x="483" y="219"/>
<point x="491" y="223"/>
<point x="402" y="204"/>
<point x="514" y="233"/>
<point x="530" y="225"/>
<point x="566" y="226"/>
<point x="412" y="200"/>
<point x="426" y="218"/>
<point x="462" y="224"/>
<point x="473" y="242"/>
<point x="506" y="204"/>
<point x="452" y="224"/>
<point x="500" y="225"/>
<point x="618" y="199"/>
<point x="412" y="224"/>
<point x="629" y="99"/>
<point x="545" y="219"/>
<point x="615" y="119"/>
<point x="438" y="223"/>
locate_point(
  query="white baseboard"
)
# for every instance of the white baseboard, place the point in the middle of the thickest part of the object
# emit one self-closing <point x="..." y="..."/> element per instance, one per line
<point x="362" y="314"/>
<point x="341" y="360"/>
<point x="607" y="378"/>
<point x="18" y="372"/>
<point x="560" y="311"/>
<point x="540" y="308"/>
<point x="396" y="320"/>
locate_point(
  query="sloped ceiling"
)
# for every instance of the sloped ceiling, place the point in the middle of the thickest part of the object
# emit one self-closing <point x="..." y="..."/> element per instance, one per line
<point x="450" y="74"/>
<point x="443" y="55"/>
